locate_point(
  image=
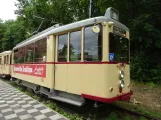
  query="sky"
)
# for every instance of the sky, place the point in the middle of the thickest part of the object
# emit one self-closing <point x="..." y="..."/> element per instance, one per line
<point x="7" y="8"/>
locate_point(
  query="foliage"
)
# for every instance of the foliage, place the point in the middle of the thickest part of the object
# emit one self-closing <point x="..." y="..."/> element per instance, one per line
<point x="113" y="116"/>
<point x="143" y="118"/>
<point x="2" y="31"/>
<point x="15" y="33"/>
<point x="138" y="109"/>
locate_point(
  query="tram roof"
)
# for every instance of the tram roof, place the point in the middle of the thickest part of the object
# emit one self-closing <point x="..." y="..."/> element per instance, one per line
<point x="56" y="29"/>
<point x="6" y="52"/>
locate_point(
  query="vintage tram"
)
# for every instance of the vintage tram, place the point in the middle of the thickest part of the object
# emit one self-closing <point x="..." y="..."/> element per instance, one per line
<point x="88" y="59"/>
<point x="5" y="64"/>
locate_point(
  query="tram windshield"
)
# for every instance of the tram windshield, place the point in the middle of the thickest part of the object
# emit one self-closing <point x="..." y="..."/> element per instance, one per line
<point x="118" y="48"/>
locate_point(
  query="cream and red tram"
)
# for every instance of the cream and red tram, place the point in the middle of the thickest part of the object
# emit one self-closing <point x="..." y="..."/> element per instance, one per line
<point x="5" y="64"/>
<point x="88" y="59"/>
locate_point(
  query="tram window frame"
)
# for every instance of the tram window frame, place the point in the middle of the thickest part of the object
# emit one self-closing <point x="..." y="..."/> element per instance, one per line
<point x="10" y="60"/>
<point x="79" y="43"/>
<point x="100" y="52"/>
<point x="0" y="60"/>
<point x="65" y="56"/>
<point x="7" y="61"/>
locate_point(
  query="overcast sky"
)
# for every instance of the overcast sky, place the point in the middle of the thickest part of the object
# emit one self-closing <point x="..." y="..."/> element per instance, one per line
<point x="7" y="8"/>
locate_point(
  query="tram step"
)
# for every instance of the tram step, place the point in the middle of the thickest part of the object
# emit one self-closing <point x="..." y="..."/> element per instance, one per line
<point x="67" y="100"/>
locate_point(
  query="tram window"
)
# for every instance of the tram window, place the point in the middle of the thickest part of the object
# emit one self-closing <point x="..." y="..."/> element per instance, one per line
<point x="92" y="45"/>
<point x="29" y="53"/>
<point x="40" y="50"/>
<point x="15" y="56"/>
<point x="21" y="55"/>
<point x="10" y="60"/>
<point x="4" y="59"/>
<point x="119" y="47"/>
<point x="75" y="46"/>
<point x="62" y="48"/>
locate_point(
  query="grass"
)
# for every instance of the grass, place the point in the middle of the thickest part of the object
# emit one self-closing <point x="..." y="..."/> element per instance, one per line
<point x="113" y="116"/>
<point x="150" y="84"/>
<point x="148" y="94"/>
<point x="135" y="108"/>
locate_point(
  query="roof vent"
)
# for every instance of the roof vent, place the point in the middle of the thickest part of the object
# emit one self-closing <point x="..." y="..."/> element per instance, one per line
<point x="112" y="13"/>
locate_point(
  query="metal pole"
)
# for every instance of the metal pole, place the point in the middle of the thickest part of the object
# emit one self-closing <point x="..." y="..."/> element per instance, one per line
<point x="90" y="9"/>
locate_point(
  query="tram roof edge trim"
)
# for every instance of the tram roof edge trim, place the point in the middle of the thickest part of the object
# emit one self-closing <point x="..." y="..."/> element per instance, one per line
<point x="53" y="29"/>
<point x="6" y="52"/>
<point x="46" y="30"/>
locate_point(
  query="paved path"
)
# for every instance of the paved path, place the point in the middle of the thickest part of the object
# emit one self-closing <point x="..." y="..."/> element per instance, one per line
<point x="14" y="105"/>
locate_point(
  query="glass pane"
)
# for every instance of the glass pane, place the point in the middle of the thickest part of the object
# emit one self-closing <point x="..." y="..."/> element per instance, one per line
<point x="29" y="53"/>
<point x="92" y="45"/>
<point x="15" y="57"/>
<point x="62" y="48"/>
<point x="21" y="55"/>
<point x="75" y="46"/>
<point x="119" y="48"/>
<point x="40" y="50"/>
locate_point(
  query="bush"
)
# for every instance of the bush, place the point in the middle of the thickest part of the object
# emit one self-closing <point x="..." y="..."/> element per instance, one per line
<point x="144" y="70"/>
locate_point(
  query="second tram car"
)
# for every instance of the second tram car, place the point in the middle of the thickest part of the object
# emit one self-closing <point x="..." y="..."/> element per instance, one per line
<point x="88" y="59"/>
<point x="5" y="64"/>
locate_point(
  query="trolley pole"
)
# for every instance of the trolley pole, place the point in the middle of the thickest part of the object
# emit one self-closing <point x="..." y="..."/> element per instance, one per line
<point x="90" y="9"/>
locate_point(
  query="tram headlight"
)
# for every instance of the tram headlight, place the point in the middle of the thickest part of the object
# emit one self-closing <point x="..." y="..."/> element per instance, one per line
<point x="122" y="84"/>
<point x="122" y="74"/>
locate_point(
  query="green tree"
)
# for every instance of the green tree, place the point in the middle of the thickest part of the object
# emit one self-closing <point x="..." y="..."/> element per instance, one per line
<point x="2" y="31"/>
<point x="15" y="33"/>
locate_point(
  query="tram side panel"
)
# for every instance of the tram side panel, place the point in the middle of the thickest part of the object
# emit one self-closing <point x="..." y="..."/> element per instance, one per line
<point x="39" y="74"/>
<point x="78" y="78"/>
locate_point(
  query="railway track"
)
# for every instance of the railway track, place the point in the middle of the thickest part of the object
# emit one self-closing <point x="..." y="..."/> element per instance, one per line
<point x="135" y="113"/>
<point x="103" y="111"/>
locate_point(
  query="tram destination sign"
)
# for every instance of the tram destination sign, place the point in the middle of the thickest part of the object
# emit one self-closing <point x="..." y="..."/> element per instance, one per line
<point x="119" y="31"/>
